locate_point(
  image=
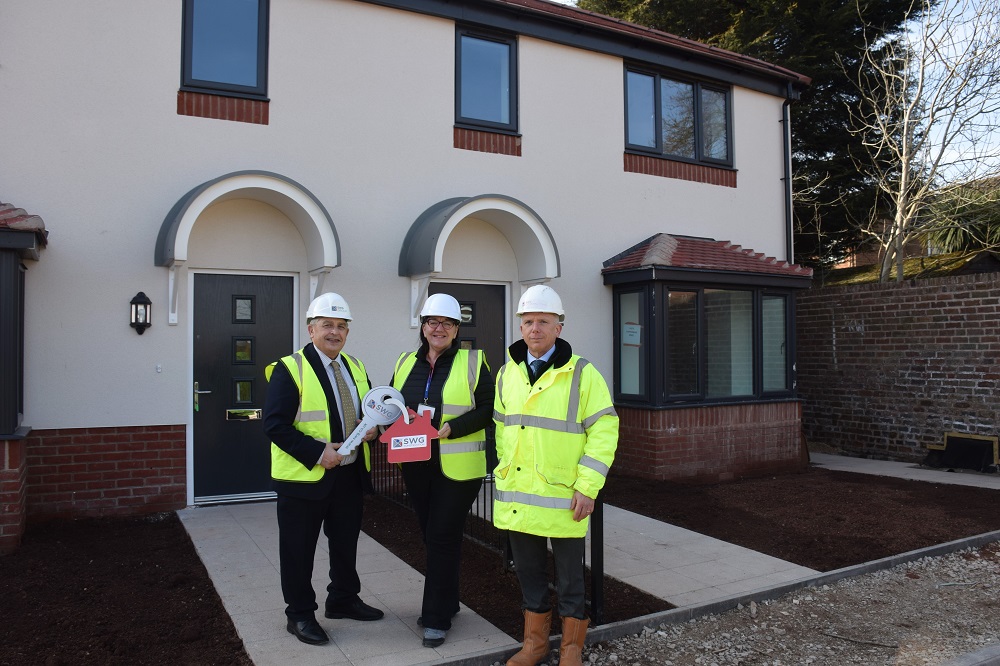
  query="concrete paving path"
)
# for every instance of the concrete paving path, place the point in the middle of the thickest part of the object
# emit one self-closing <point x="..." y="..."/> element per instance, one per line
<point x="239" y="546"/>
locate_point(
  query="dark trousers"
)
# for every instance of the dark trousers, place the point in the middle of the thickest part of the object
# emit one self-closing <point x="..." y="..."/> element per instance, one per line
<point x="531" y="562"/>
<point x="299" y="522"/>
<point x="441" y="505"/>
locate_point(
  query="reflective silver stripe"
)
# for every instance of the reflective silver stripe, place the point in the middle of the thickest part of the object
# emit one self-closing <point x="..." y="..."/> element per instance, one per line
<point x="544" y="422"/>
<point x="498" y="416"/>
<point x="399" y="363"/>
<point x="532" y="500"/>
<point x="473" y="367"/>
<point x="573" y="404"/>
<point x="462" y="447"/>
<point x="592" y="419"/>
<point x="595" y="465"/>
<point x="297" y="357"/>
<point x="456" y="410"/>
<point x="315" y="415"/>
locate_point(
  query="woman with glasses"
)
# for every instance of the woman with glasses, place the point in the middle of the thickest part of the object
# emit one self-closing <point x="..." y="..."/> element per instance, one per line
<point x="456" y="387"/>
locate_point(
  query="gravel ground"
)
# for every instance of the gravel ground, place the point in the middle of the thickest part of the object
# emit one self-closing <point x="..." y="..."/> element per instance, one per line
<point x="926" y="612"/>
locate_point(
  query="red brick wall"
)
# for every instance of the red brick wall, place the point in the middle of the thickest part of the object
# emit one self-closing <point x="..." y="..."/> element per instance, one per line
<point x="710" y="444"/>
<point x="665" y="168"/>
<point x="201" y="105"/>
<point x="77" y="472"/>
<point x="13" y="476"/>
<point x="487" y="142"/>
<point x="886" y="369"/>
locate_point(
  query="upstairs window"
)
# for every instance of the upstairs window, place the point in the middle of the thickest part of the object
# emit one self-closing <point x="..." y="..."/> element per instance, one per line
<point x="225" y="47"/>
<point x="678" y="119"/>
<point x="486" y="80"/>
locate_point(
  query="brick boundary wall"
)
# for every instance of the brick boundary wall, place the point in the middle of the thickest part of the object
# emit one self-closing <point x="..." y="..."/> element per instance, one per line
<point x="886" y="369"/>
<point x="128" y="470"/>
<point x="710" y="444"/>
<point x="13" y="489"/>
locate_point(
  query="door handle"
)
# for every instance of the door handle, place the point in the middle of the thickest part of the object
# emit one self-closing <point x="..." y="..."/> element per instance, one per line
<point x="196" y="394"/>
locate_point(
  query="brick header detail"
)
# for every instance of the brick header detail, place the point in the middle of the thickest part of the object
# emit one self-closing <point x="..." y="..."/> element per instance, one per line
<point x="218" y="107"/>
<point x="698" y="173"/>
<point x="487" y="142"/>
<point x="710" y="444"/>
<point x="76" y="472"/>
<point x="886" y="369"/>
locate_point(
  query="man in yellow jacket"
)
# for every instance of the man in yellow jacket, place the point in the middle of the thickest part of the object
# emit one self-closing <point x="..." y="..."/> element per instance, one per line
<point x="312" y="406"/>
<point x="557" y="432"/>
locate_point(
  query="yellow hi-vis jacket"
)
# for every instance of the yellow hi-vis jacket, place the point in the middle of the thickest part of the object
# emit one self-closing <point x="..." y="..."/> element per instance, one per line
<point x="462" y="458"/>
<point x="553" y="438"/>
<point x="313" y="417"/>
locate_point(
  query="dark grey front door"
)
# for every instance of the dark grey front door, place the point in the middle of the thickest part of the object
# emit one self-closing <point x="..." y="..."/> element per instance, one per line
<point x="241" y="324"/>
<point x="483" y="317"/>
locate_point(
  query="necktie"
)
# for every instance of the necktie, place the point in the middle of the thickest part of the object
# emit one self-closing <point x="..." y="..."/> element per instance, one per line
<point x="347" y="403"/>
<point x="536" y="368"/>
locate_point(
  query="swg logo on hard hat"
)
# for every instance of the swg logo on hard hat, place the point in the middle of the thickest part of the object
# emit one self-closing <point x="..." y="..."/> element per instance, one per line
<point x="371" y="404"/>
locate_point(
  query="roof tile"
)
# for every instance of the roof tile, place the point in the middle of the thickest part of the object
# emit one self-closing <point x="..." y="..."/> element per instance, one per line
<point x="669" y="251"/>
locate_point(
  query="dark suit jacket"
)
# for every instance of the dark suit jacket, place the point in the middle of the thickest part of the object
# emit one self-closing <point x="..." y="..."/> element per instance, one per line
<point x="280" y="407"/>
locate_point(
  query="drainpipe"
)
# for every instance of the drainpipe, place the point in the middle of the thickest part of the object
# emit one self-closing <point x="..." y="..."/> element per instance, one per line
<point x="786" y="142"/>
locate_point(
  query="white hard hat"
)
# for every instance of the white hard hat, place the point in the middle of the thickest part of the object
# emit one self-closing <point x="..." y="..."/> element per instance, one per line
<point x="441" y="305"/>
<point x="329" y="305"/>
<point x="541" y="298"/>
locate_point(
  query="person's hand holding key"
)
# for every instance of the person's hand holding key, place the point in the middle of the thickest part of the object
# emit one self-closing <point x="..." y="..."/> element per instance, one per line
<point x="381" y="406"/>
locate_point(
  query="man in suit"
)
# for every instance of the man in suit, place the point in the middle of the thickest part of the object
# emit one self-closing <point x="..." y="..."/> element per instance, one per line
<point x="312" y="404"/>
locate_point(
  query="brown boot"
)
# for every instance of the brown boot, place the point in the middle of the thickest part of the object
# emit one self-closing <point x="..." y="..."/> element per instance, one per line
<point x="536" y="640"/>
<point x="573" y="635"/>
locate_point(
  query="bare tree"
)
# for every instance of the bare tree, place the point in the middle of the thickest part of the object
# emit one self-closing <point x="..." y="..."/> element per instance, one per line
<point x="930" y="119"/>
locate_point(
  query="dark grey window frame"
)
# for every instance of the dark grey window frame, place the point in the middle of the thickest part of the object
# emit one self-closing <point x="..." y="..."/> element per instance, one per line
<point x="698" y="85"/>
<point x="189" y="83"/>
<point x="492" y="36"/>
<point x="657" y="365"/>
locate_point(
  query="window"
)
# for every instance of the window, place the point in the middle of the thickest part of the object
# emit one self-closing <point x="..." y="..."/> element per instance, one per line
<point x="679" y="119"/>
<point x="702" y="344"/>
<point x="486" y="81"/>
<point x="632" y="345"/>
<point x="225" y="47"/>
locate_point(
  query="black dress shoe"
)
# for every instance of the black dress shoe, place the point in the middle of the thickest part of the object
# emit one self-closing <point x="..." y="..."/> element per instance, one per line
<point x="356" y="610"/>
<point x="308" y="631"/>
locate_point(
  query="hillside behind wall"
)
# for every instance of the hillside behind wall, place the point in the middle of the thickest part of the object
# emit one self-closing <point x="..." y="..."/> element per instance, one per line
<point x="886" y="369"/>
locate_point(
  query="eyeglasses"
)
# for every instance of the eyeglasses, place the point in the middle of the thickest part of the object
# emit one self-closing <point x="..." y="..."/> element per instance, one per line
<point x="447" y="324"/>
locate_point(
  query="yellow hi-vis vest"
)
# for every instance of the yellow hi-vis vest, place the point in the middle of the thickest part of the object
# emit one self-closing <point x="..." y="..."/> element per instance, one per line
<point x="313" y="417"/>
<point x="553" y="438"/>
<point x="462" y="458"/>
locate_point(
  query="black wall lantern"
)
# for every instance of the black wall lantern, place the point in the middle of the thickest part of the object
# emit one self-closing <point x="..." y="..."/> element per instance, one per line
<point x="142" y="309"/>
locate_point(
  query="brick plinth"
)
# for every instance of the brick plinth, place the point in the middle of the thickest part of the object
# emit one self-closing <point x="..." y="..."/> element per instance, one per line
<point x="13" y="490"/>
<point x="710" y="444"/>
<point x="78" y="472"/>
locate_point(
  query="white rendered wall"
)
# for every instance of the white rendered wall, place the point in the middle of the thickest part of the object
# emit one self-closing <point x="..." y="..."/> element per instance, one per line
<point x="361" y="115"/>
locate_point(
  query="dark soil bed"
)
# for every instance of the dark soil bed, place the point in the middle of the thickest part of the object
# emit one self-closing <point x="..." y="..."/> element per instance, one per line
<point x="133" y="591"/>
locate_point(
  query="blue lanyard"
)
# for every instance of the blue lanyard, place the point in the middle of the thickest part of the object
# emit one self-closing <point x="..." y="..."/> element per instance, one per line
<point x="427" y="386"/>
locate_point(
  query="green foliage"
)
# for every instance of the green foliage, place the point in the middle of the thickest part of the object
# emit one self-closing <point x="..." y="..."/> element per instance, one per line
<point x="966" y="219"/>
<point x="822" y="39"/>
